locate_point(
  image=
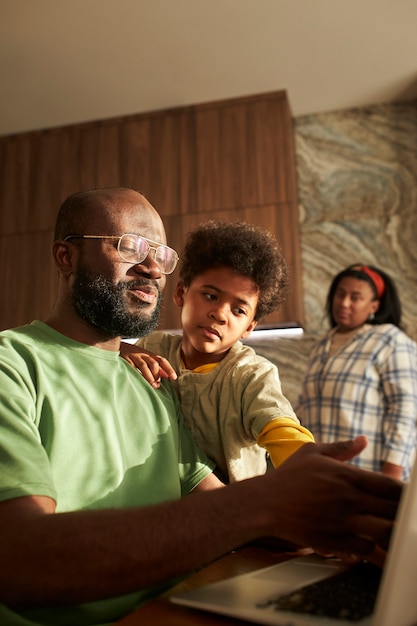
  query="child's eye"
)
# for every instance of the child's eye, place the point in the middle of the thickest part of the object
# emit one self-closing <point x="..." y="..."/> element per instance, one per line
<point x="209" y="296"/>
<point x="239" y="311"/>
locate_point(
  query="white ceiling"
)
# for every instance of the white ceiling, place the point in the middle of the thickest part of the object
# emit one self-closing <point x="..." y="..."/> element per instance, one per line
<point x="70" y="61"/>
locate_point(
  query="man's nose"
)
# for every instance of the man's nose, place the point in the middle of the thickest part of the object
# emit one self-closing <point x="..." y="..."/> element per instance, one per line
<point x="149" y="265"/>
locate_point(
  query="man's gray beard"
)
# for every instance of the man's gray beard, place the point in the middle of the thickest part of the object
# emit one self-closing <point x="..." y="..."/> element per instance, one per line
<point x="102" y="304"/>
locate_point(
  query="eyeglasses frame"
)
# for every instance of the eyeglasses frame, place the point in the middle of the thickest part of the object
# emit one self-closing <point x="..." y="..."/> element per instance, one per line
<point x="119" y="237"/>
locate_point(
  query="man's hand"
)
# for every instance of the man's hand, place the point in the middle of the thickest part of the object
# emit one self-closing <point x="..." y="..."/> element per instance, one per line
<point x="333" y="506"/>
<point x="151" y="366"/>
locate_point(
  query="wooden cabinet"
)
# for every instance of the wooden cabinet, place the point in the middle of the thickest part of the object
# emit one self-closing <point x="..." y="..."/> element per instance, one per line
<point x="231" y="160"/>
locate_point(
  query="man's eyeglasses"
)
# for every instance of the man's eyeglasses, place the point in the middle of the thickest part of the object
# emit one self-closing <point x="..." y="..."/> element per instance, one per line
<point x="135" y="249"/>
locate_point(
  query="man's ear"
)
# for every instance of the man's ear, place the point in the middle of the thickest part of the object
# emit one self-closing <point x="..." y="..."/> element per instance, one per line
<point x="64" y="254"/>
<point x="249" y="329"/>
<point x="179" y="294"/>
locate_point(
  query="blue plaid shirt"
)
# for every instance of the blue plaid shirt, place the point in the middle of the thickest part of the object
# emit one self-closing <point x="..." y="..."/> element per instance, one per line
<point x="367" y="387"/>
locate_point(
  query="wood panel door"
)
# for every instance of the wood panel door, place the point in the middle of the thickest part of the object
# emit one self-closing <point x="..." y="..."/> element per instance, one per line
<point x="232" y="159"/>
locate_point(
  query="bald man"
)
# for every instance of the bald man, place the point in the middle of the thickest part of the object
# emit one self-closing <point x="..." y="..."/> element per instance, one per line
<point x="95" y="463"/>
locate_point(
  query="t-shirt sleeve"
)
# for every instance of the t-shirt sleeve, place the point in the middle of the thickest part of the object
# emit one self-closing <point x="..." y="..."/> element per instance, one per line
<point x="24" y="464"/>
<point x="282" y="437"/>
<point x="193" y="463"/>
<point x="262" y="399"/>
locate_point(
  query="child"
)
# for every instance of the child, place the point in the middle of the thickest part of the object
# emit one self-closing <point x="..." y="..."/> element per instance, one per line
<point x="231" y="276"/>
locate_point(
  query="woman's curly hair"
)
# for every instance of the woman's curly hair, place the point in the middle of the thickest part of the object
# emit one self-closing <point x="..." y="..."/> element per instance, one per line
<point x="244" y="248"/>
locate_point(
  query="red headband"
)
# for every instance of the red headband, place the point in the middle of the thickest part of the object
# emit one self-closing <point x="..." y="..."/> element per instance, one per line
<point x="376" y="278"/>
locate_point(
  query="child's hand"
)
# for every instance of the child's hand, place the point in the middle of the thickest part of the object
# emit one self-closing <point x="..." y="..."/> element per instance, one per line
<point x="151" y="366"/>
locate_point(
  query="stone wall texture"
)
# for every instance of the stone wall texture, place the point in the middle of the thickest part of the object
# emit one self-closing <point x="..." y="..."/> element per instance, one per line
<point x="357" y="187"/>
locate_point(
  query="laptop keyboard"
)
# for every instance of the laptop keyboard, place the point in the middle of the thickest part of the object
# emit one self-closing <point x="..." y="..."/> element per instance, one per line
<point x="349" y="595"/>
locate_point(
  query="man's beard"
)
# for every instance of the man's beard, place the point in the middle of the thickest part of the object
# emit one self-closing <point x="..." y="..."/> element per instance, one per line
<point x="102" y="304"/>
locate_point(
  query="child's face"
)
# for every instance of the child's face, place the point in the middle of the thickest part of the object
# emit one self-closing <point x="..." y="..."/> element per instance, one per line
<point x="218" y="308"/>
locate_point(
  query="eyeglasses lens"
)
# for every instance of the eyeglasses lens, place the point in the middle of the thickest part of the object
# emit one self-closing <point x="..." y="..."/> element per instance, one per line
<point x="135" y="249"/>
<point x="166" y="259"/>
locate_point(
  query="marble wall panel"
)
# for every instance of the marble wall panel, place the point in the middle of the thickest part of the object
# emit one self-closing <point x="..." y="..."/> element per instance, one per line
<point x="357" y="185"/>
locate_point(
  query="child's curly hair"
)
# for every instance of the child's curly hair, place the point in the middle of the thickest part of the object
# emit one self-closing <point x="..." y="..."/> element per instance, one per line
<point x="244" y="248"/>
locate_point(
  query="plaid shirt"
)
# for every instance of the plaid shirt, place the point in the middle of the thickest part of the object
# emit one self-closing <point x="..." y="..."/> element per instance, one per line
<point x="368" y="387"/>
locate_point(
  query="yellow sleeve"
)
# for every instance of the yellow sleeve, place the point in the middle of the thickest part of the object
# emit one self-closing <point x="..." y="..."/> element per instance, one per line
<point x="282" y="437"/>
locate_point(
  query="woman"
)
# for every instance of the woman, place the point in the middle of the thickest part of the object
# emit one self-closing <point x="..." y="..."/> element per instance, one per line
<point x="362" y="375"/>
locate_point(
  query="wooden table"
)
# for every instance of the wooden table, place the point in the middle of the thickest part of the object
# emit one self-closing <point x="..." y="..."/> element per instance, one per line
<point x="161" y="612"/>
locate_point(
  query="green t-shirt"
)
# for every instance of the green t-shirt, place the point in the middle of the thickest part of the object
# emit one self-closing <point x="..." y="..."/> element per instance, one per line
<point x="80" y="425"/>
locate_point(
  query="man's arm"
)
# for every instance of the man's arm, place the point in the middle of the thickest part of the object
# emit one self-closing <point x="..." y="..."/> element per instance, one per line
<point x="311" y="500"/>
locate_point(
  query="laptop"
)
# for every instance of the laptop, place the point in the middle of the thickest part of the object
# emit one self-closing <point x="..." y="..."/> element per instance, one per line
<point x="257" y="596"/>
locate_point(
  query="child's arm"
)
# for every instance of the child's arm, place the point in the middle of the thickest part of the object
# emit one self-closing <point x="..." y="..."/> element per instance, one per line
<point x="281" y="437"/>
<point x="151" y="366"/>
